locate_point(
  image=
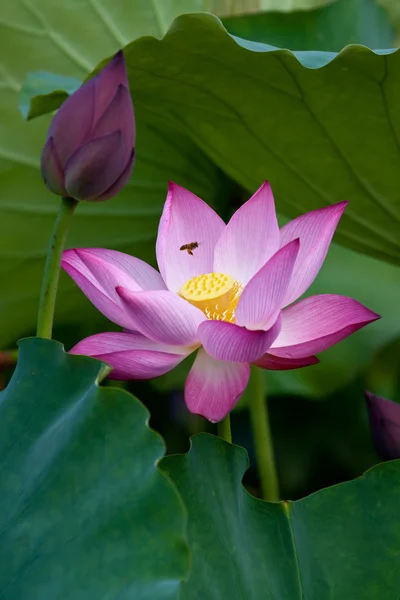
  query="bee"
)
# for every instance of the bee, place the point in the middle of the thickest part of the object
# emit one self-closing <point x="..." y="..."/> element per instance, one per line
<point x="190" y="247"/>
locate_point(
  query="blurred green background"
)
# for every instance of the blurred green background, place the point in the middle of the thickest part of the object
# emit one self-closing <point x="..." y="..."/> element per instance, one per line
<point x="318" y="415"/>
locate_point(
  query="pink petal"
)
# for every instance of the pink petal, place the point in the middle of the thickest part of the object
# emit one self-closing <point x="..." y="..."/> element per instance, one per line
<point x="262" y="297"/>
<point x="120" y="183"/>
<point x="107" y="81"/>
<point x="95" y="167"/>
<point x="51" y="169"/>
<point x="277" y="363"/>
<point x="162" y="316"/>
<point x="318" y="322"/>
<point x="131" y="355"/>
<point x="98" y="272"/>
<point x="250" y="238"/>
<point x="72" y="123"/>
<point x="315" y="230"/>
<point x="186" y="219"/>
<point x="227" y="341"/>
<point x="213" y="387"/>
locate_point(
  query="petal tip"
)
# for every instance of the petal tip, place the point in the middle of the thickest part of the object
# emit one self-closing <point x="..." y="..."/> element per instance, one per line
<point x="114" y="71"/>
<point x="122" y="89"/>
<point x="266" y="184"/>
<point x="340" y="207"/>
<point x="119" y="55"/>
<point x="172" y="186"/>
<point x="118" y="61"/>
<point x="375" y="316"/>
<point x="370" y="315"/>
<point x="264" y="187"/>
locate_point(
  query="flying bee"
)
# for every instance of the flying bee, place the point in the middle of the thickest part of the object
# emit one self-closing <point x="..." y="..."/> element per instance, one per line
<point x="190" y="247"/>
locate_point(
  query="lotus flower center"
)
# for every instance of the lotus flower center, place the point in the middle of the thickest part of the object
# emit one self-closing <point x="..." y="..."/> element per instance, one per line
<point x="216" y="294"/>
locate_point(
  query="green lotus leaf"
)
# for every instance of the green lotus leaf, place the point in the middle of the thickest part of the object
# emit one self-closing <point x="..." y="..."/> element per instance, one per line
<point x="85" y="513"/>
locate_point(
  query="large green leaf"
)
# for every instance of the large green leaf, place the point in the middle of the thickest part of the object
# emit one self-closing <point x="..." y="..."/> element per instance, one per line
<point x="393" y="8"/>
<point x="340" y="543"/>
<point x="319" y="134"/>
<point x="241" y="7"/>
<point x="361" y="22"/>
<point x="84" y="511"/>
<point x="70" y="40"/>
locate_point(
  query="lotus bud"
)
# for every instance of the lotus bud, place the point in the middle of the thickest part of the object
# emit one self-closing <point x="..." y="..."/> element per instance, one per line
<point x="89" y="152"/>
<point x="384" y="419"/>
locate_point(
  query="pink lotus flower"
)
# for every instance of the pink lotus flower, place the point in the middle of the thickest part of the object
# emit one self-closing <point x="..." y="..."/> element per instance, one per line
<point x="89" y="152"/>
<point x="231" y="299"/>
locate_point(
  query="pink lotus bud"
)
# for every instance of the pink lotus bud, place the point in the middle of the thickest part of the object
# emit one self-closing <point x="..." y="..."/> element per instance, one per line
<point x="384" y="419"/>
<point x="89" y="152"/>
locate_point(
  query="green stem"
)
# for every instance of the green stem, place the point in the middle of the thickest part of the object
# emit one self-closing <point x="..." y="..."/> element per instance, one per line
<point x="262" y="437"/>
<point x="52" y="268"/>
<point x="224" y="429"/>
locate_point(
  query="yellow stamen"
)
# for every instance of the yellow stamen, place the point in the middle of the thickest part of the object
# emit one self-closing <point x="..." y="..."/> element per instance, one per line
<point x="216" y="294"/>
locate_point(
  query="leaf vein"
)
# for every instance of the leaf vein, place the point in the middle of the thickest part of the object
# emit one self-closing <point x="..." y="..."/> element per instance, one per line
<point x="386" y="107"/>
<point x="57" y="40"/>
<point x="108" y="22"/>
<point x="286" y="512"/>
<point x="358" y="179"/>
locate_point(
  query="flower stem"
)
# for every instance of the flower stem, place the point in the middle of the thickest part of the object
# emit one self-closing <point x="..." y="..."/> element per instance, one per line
<point x="262" y="438"/>
<point x="224" y="429"/>
<point x="52" y="268"/>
